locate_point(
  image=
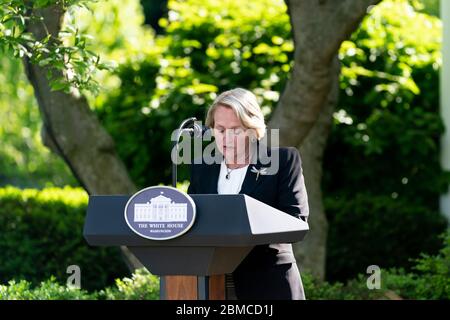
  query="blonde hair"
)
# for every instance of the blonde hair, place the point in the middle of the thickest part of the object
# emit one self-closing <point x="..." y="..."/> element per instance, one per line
<point x="246" y="107"/>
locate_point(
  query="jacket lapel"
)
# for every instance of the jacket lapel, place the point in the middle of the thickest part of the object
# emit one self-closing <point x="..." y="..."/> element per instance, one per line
<point x="250" y="181"/>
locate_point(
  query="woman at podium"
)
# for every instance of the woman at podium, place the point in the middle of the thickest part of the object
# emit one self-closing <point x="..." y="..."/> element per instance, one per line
<point x="235" y="117"/>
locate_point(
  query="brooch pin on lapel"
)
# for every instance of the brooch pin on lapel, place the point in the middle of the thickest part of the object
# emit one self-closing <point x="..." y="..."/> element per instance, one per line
<point x="261" y="171"/>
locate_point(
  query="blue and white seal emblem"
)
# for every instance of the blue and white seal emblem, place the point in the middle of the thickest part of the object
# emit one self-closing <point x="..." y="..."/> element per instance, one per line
<point x="160" y="213"/>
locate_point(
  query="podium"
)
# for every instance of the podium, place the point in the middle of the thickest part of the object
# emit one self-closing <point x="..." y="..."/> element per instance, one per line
<point x="193" y="265"/>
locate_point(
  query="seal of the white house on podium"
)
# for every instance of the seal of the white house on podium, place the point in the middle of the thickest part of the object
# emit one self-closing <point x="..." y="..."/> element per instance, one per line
<point x="160" y="213"/>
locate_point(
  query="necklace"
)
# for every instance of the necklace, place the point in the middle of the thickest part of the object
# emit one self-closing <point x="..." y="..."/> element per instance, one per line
<point x="228" y="173"/>
<point x="227" y="176"/>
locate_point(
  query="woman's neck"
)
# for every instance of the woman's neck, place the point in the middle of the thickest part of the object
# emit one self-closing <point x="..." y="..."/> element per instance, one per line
<point x="235" y="164"/>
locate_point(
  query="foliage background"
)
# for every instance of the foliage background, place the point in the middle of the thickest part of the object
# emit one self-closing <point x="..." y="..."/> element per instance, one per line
<point x="386" y="124"/>
<point x="41" y="235"/>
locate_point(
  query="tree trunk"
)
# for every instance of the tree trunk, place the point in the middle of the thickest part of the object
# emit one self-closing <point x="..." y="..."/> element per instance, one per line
<point x="306" y="105"/>
<point x="71" y="129"/>
<point x="311" y="252"/>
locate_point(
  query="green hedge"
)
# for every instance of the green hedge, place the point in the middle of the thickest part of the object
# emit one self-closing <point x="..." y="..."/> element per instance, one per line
<point x="41" y="234"/>
<point x="141" y="286"/>
<point x="369" y="229"/>
<point x="430" y="279"/>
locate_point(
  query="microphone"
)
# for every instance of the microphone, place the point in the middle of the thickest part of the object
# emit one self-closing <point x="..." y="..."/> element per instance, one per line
<point x="197" y="130"/>
<point x="194" y="129"/>
<point x="191" y="126"/>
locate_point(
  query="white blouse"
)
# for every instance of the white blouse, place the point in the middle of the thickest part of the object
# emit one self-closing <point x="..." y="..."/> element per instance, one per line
<point x="234" y="183"/>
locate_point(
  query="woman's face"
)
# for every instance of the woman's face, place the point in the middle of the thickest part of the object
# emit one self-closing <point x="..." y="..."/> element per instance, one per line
<point x="230" y="134"/>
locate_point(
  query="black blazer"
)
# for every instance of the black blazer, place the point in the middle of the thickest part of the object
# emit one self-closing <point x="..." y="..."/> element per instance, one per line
<point x="284" y="190"/>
